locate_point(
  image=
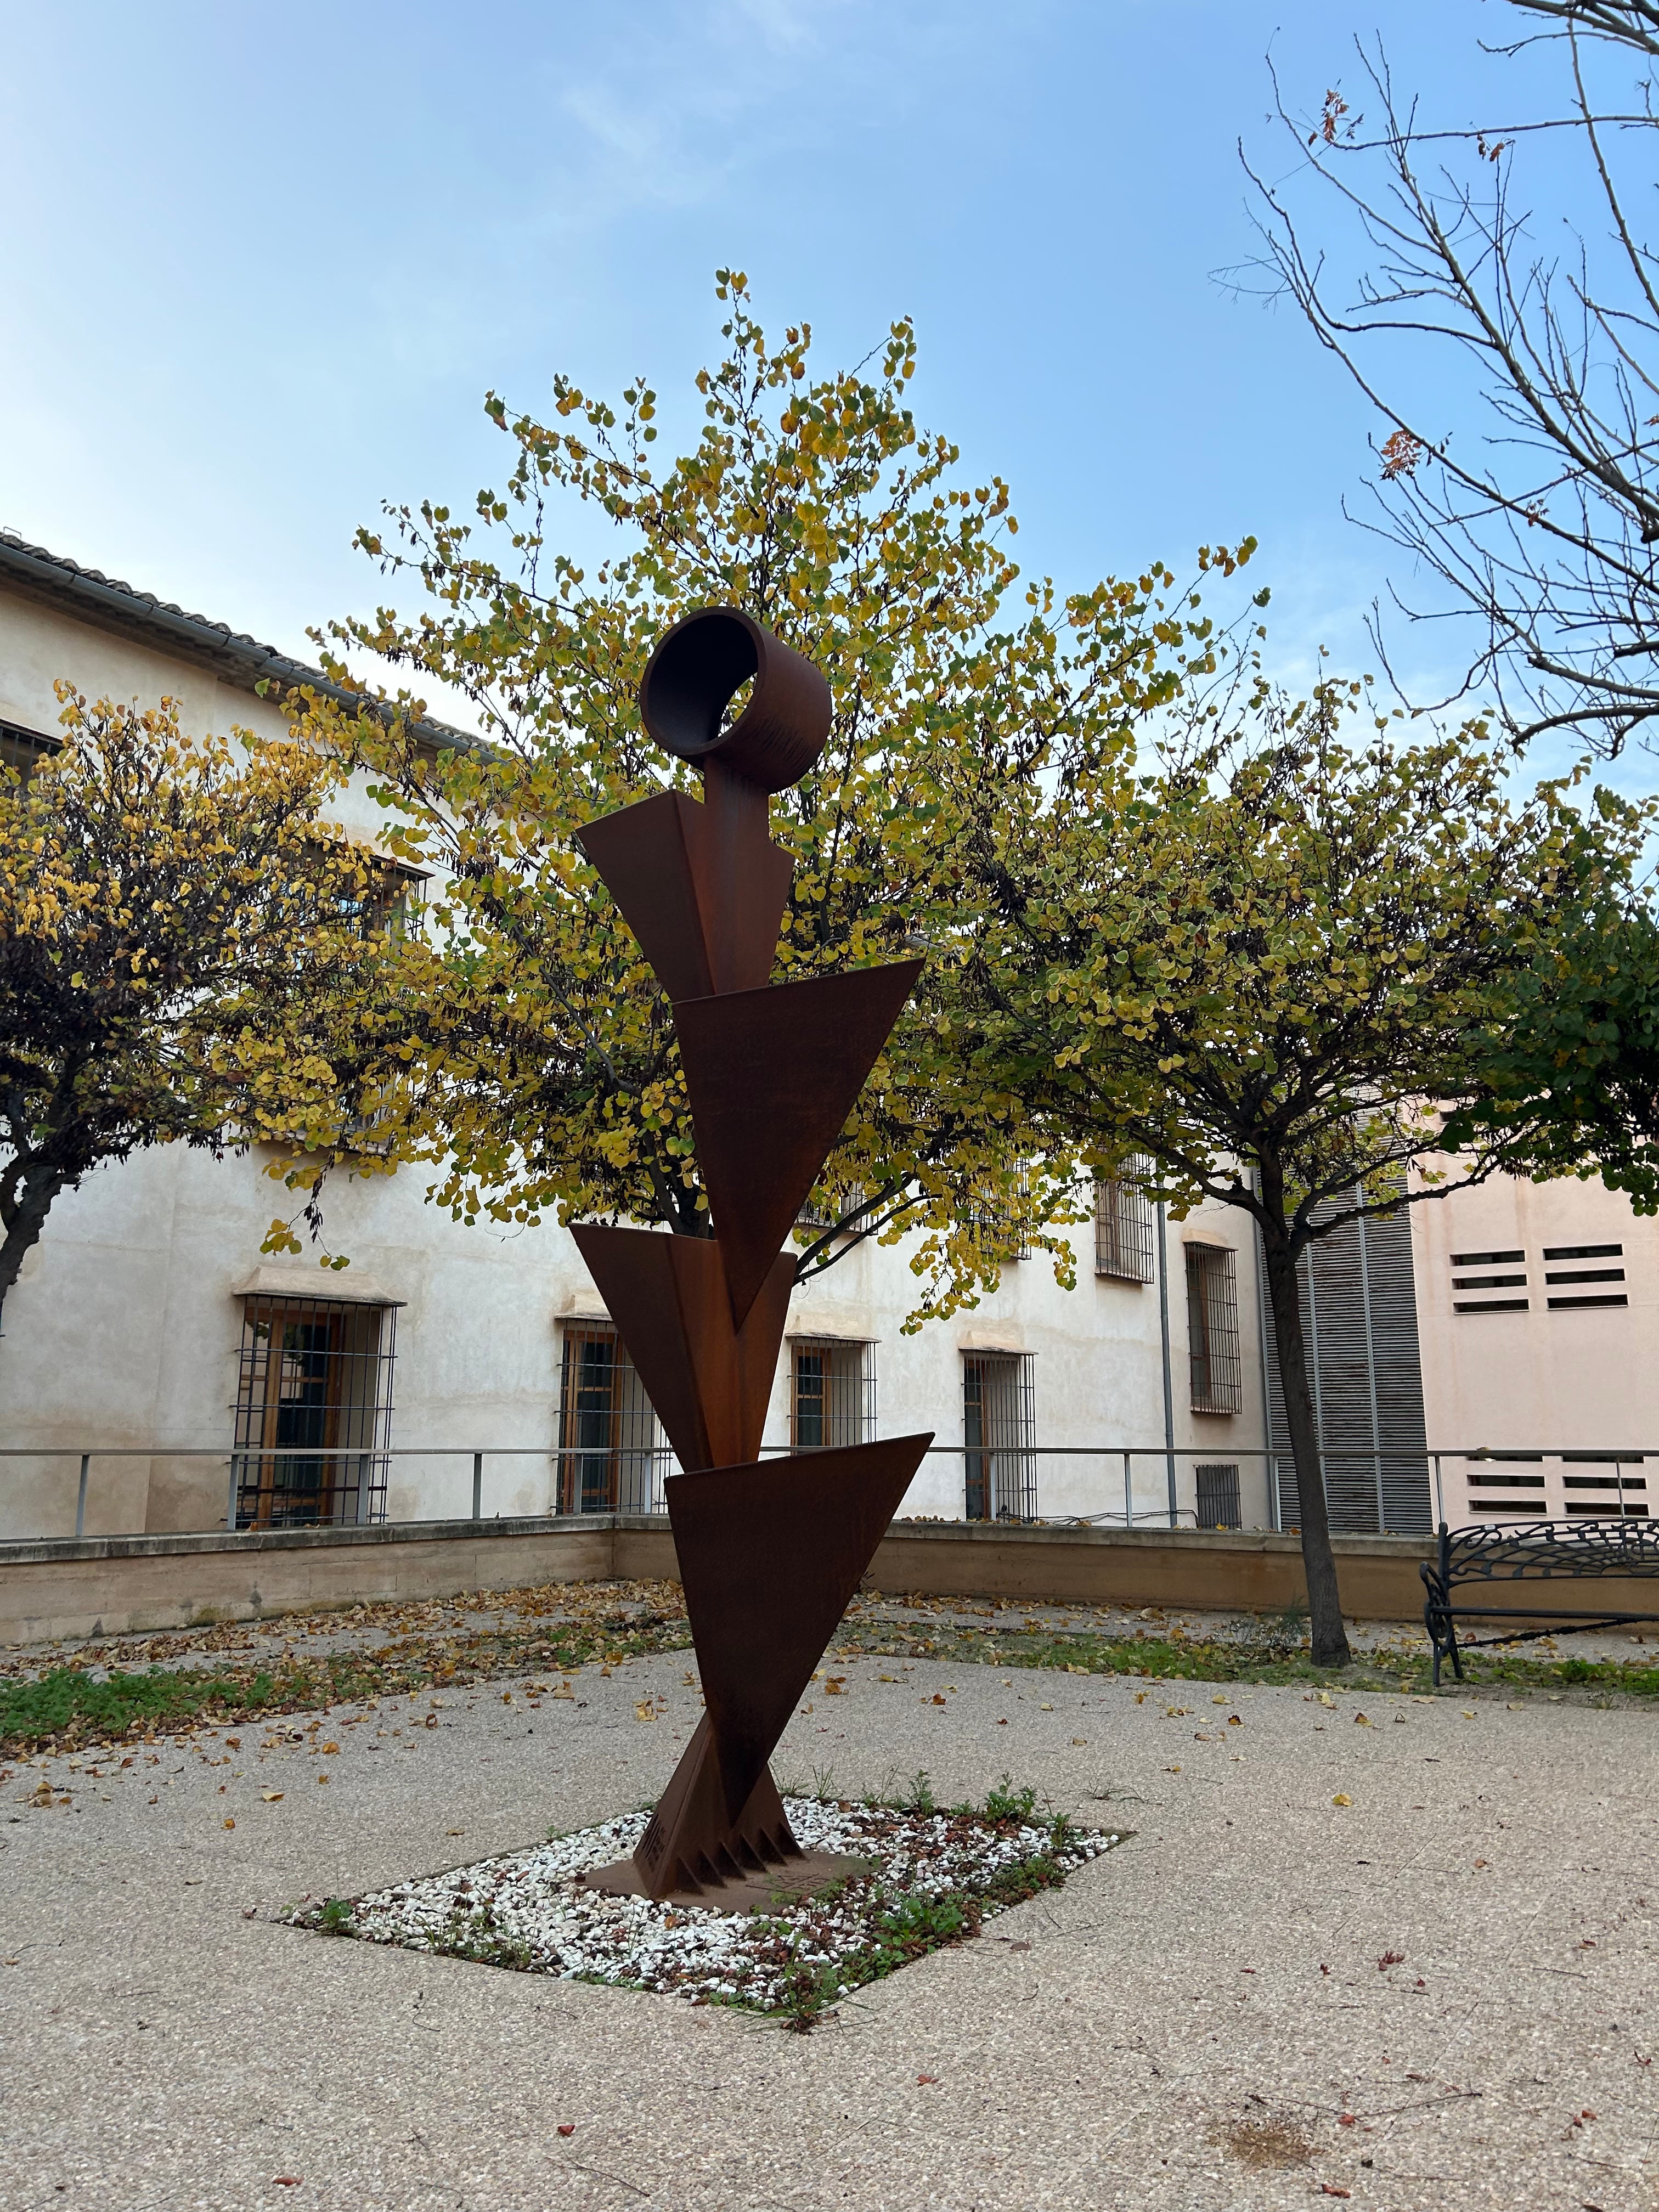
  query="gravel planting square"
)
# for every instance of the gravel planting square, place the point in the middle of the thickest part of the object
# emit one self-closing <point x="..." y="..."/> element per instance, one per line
<point x="933" y="1877"/>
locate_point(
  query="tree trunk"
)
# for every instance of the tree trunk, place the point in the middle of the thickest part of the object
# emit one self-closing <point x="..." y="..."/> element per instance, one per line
<point x="23" y="1233"/>
<point x="1330" y="1642"/>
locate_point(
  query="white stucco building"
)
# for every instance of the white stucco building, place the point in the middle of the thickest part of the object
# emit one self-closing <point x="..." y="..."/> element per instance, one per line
<point x="147" y="1323"/>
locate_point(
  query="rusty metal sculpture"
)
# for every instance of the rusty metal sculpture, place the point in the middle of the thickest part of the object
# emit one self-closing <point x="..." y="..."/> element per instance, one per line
<point x="769" y="1552"/>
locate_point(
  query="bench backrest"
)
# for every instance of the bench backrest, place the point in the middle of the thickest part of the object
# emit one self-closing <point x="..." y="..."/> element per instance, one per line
<point x="1531" y="1551"/>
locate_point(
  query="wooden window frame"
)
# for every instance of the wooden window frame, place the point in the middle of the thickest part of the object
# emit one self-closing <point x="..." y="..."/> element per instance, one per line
<point x="845" y="1408"/>
<point x="337" y="1472"/>
<point x="623" y="1469"/>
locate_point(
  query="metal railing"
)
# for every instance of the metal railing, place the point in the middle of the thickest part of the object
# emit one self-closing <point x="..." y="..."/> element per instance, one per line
<point x="1499" y="1489"/>
<point x="1100" y="1486"/>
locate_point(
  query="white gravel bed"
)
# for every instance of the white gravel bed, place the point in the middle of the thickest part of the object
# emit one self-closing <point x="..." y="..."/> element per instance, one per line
<point x="934" y="1875"/>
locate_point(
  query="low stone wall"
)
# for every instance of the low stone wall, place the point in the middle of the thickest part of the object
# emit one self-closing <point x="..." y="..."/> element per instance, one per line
<point x="1248" y="1571"/>
<point x="107" y="1585"/>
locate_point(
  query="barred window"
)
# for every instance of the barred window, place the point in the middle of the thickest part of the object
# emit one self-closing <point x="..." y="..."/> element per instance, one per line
<point x="613" y="1456"/>
<point x="1218" y="1497"/>
<point x="387" y="903"/>
<point x="822" y="1209"/>
<point x="999" y="1226"/>
<point x="832" y="1393"/>
<point x="999" y="1429"/>
<point x="1125" y="1224"/>
<point x="313" y="1413"/>
<point x="22" y="749"/>
<point x="1213" y="1330"/>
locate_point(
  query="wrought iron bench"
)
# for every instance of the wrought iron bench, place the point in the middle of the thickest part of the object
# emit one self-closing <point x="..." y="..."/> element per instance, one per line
<point x="1522" y="1554"/>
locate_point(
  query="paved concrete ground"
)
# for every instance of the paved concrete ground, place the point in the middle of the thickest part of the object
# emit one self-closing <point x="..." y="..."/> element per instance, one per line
<point x="1196" y="2005"/>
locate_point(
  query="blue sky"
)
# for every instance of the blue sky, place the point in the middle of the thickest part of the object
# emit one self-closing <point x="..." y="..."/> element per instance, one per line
<point x="260" y="263"/>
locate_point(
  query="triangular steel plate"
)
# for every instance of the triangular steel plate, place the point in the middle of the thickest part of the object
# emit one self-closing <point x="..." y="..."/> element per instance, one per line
<point x="708" y="1383"/>
<point x="769" y="1557"/>
<point x="773" y="1076"/>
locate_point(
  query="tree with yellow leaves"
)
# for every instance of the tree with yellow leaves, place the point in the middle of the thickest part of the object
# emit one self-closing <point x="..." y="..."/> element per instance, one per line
<point x="1271" y="956"/>
<point x="816" y="502"/>
<point x="183" y="955"/>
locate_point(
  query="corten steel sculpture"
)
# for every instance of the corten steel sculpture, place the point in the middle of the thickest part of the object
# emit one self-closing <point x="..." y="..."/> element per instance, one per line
<point x="769" y="1552"/>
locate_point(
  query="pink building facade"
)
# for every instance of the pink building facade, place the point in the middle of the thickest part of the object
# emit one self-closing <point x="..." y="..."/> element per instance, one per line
<point x="1537" y="1306"/>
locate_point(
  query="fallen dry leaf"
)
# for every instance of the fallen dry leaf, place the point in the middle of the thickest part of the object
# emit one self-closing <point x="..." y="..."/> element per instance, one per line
<point x="271" y="1797"/>
<point x="230" y="1824"/>
<point x="1342" y="1798"/>
<point x="645" y="1712"/>
<point x="567" y="2127"/>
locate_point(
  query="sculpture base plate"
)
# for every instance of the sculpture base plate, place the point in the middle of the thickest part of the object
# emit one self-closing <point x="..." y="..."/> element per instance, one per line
<point x="770" y="1890"/>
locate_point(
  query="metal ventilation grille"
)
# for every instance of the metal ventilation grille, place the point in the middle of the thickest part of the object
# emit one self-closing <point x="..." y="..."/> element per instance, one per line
<point x="1570" y="1286"/>
<point x="1497" y="1278"/>
<point x="313" y="1413"/>
<point x="1359" y="1320"/>
<point x="613" y="1454"/>
<point x="999" y="1429"/>
<point x="1218" y="1497"/>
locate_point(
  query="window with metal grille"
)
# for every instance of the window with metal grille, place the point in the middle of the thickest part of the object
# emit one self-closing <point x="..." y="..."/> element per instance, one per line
<point x="22" y="749"/>
<point x="822" y="1209"/>
<point x="313" y="1413"/>
<point x="999" y="1427"/>
<point x="1125" y="1225"/>
<point x="1218" y="1497"/>
<point x="998" y="1224"/>
<point x="1218" y="1383"/>
<point x="613" y="1456"/>
<point x="832" y="1393"/>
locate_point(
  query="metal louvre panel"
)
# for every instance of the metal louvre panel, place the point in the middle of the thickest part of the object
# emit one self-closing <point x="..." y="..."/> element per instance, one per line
<point x="1407" y="1503"/>
<point x="1359" y="1315"/>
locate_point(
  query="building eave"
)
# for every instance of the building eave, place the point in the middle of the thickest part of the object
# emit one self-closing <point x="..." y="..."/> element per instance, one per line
<point x="106" y="603"/>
